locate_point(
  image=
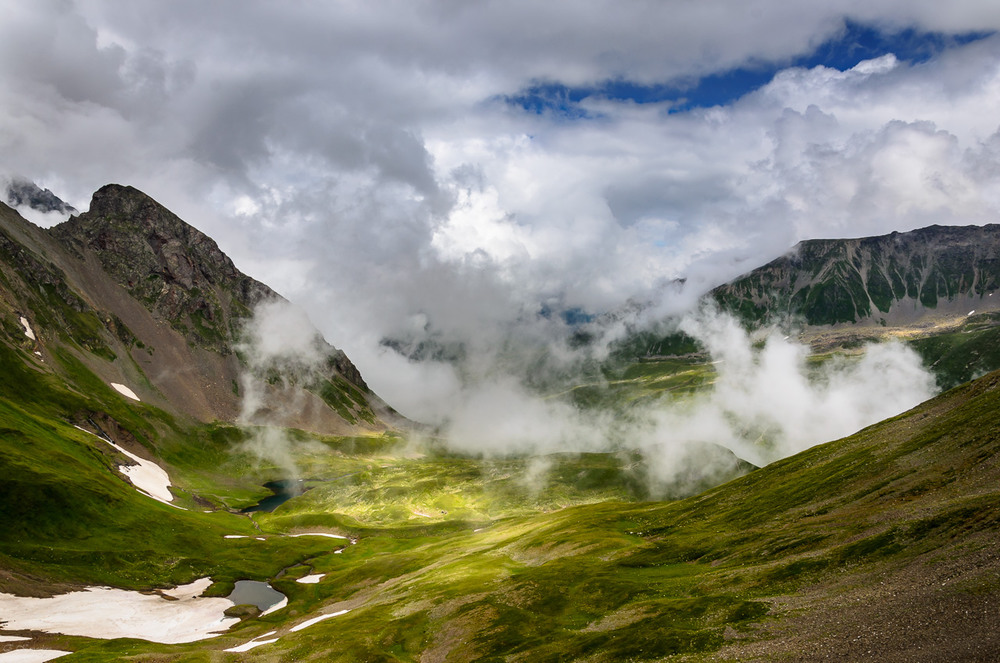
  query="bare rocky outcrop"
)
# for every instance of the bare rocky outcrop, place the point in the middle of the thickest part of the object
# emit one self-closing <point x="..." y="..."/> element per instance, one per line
<point x="175" y="270"/>
<point x="142" y="298"/>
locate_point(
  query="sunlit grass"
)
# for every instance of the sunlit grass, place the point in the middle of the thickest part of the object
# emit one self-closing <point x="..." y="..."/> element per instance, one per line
<point x="455" y="557"/>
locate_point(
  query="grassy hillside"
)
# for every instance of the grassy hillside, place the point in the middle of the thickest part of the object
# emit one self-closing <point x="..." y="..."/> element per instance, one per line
<point x="62" y="494"/>
<point x="910" y="506"/>
<point x="878" y="545"/>
<point x="959" y="355"/>
<point x="455" y="561"/>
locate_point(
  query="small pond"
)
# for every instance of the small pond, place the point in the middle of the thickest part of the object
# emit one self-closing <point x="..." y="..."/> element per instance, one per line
<point x="283" y="490"/>
<point x="252" y="592"/>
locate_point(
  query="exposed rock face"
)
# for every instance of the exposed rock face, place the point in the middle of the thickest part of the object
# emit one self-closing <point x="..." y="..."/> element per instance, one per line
<point x="175" y="270"/>
<point x="875" y="279"/>
<point x="141" y="298"/>
<point x="35" y="287"/>
<point x="178" y="272"/>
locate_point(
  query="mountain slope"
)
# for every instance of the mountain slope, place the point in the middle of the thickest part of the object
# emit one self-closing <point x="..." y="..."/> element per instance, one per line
<point x="882" y="542"/>
<point x="813" y="555"/>
<point x="933" y="289"/>
<point x="889" y="279"/>
<point x="173" y="269"/>
<point x="144" y="299"/>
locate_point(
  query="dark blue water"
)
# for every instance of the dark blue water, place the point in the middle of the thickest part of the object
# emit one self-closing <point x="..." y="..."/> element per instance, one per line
<point x="283" y="490"/>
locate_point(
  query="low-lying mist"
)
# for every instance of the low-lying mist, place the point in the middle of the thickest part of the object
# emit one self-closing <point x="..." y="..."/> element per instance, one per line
<point x="279" y="349"/>
<point x="766" y="399"/>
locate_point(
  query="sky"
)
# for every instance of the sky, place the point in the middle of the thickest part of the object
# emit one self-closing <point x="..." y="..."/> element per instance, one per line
<point x="466" y="172"/>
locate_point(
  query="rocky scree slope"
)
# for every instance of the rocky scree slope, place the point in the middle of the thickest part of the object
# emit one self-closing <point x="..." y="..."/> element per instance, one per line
<point x="144" y="299"/>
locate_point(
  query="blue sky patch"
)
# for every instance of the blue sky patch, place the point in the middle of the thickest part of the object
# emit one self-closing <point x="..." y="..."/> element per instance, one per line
<point x="856" y="43"/>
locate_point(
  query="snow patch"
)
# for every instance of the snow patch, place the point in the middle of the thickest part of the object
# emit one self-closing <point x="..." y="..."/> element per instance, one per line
<point x="277" y="606"/>
<point x="256" y="642"/>
<point x="13" y="638"/>
<point x="107" y="613"/>
<point x="32" y="655"/>
<point x="28" y="331"/>
<point x="316" y="620"/>
<point x="311" y="579"/>
<point x="125" y="391"/>
<point x="188" y="591"/>
<point x="329" y="536"/>
<point x="149" y="478"/>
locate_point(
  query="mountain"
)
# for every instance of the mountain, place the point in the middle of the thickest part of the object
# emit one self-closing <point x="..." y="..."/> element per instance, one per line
<point x="882" y="544"/>
<point x="887" y="280"/>
<point x="25" y="192"/>
<point x="931" y="288"/>
<point x="143" y="299"/>
<point x="879" y="545"/>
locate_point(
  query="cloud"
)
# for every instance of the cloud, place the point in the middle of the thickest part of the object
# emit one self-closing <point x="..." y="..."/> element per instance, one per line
<point x="767" y="403"/>
<point x="361" y="158"/>
<point x="280" y="350"/>
<point x="281" y="337"/>
<point x="767" y="400"/>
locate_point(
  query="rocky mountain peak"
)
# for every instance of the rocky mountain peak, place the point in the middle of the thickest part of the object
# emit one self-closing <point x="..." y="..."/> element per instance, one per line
<point x="149" y="248"/>
<point x="178" y="272"/>
<point x="21" y="192"/>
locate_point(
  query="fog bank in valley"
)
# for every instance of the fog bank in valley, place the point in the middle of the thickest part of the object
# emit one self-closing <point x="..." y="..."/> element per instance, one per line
<point x="767" y="399"/>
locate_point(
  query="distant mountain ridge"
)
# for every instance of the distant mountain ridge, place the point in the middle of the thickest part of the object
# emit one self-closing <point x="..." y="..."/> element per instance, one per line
<point x="144" y="299"/>
<point x="21" y="191"/>
<point x="881" y="280"/>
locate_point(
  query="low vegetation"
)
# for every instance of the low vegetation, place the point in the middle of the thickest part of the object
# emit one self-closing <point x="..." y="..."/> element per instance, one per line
<point x="456" y="558"/>
<point x="418" y="553"/>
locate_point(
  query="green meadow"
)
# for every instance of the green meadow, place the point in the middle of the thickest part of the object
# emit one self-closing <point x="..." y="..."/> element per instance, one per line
<point x="452" y="557"/>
